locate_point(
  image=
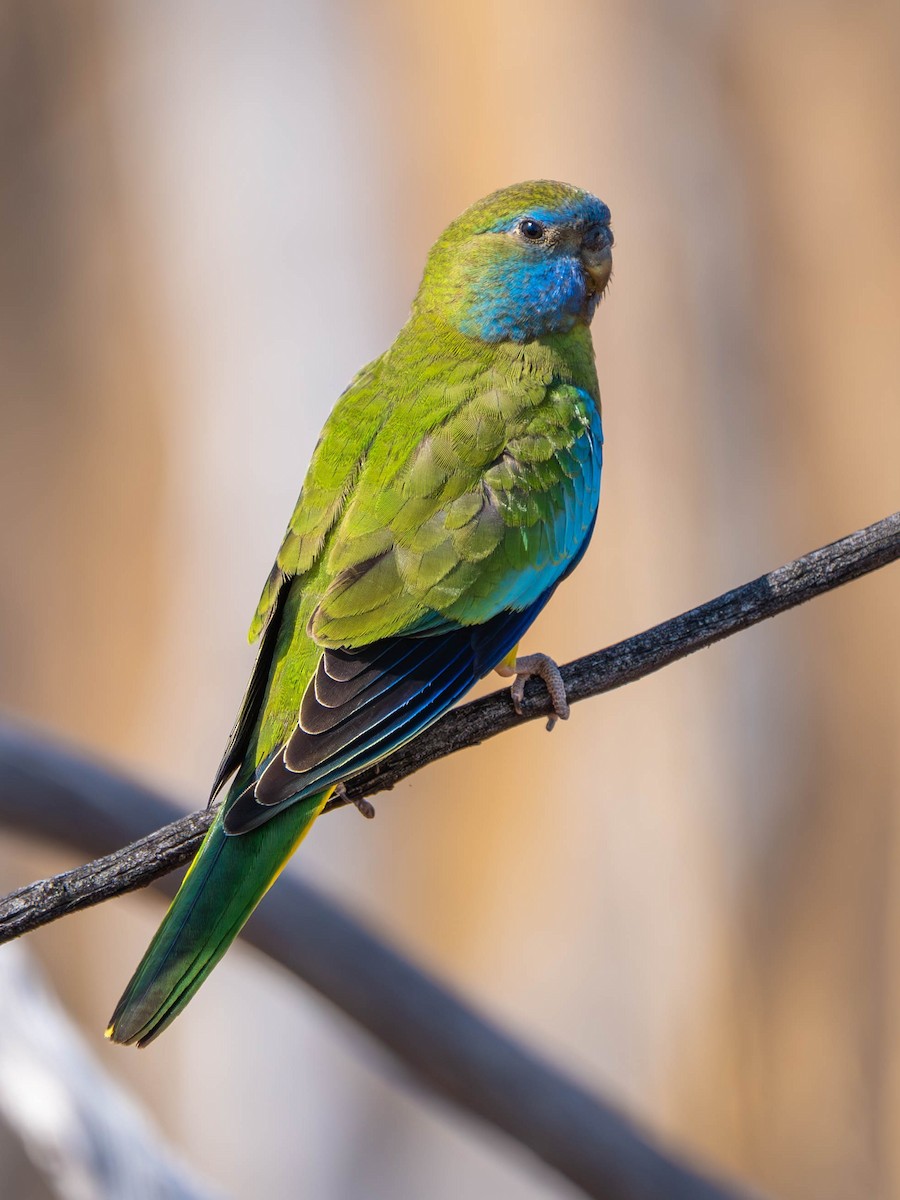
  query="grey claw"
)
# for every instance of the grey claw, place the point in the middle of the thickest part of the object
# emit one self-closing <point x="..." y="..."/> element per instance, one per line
<point x="365" y="807"/>
<point x="542" y="666"/>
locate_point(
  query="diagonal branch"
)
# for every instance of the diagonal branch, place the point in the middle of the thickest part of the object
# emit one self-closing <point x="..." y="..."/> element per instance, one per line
<point x="820" y="571"/>
<point x="445" y="1044"/>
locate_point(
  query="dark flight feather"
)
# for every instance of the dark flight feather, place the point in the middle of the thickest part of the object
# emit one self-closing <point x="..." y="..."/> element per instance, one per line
<point x="383" y="693"/>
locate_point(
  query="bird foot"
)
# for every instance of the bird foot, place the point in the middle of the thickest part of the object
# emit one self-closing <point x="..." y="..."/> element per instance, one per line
<point x="543" y="667"/>
<point x="366" y="807"/>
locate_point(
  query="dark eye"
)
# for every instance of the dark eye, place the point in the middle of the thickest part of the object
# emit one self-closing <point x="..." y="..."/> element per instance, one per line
<point x="531" y="230"/>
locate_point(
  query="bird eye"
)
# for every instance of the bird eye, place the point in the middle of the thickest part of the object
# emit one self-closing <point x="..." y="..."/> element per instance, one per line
<point x="531" y="230"/>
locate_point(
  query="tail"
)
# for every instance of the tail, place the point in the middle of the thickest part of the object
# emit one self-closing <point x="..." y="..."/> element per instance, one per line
<point x="225" y="882"/>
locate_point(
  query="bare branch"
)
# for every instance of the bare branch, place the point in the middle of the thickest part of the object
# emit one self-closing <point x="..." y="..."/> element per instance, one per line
<point x="442" y="1042"/>
<point x="793" y="584"/>
<point x="820" y="571"/>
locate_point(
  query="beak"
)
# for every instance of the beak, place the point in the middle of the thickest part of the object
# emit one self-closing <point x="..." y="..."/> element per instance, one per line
<point x="596" y="256"/>
<point x="598" y="264"/>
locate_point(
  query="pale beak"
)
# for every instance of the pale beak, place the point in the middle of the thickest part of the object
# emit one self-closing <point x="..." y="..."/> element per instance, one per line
<point x="596" y="255"/>
<point x="598" y="264"/>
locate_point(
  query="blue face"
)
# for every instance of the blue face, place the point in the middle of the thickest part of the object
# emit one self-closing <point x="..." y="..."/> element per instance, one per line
<point x="539" y="272"/>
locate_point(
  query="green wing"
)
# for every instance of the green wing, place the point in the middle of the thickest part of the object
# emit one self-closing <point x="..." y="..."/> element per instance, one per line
<point x="482" y="513"/>
<point x="467" y="526"/>
<point x="333" y="472"/>
<point x="332" y="475"/>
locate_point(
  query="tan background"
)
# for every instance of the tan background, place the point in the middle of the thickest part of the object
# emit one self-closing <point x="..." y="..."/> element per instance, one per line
<point x="210" y="215"/>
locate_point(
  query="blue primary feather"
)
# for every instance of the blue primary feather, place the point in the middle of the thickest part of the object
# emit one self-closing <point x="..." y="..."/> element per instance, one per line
<point x="428" y="674"/>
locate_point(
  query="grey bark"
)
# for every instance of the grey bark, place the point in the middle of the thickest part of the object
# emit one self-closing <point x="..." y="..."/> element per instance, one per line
<point x="442" y="1041"/>
<point x="795" y="583"/>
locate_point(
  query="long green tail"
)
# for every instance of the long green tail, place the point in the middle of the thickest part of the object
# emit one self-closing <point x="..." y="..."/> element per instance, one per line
<point x="225" y="882"/>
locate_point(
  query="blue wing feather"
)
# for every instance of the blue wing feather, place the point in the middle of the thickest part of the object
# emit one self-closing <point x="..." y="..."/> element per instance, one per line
<point x="417" y="680"/>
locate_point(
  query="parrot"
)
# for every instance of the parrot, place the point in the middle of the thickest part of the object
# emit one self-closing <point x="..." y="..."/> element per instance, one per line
<point x="454" y="486"/>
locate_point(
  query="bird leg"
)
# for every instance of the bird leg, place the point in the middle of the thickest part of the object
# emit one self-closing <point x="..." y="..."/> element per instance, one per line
<point x="366" y="807"/>
<point x="544" y="667"/>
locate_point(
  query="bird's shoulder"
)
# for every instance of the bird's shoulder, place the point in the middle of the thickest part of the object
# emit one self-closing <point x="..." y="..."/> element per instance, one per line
<point x="497" y="473"/>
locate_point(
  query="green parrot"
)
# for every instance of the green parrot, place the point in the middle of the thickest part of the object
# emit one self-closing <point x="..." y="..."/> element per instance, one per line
<point x="454" y="486"/>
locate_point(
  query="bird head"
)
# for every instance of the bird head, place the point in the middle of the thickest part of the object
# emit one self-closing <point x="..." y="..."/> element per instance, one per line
<point x="525" y="262"/>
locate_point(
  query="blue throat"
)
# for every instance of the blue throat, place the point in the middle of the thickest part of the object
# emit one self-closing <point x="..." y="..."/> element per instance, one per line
<point x="528" y="300"/>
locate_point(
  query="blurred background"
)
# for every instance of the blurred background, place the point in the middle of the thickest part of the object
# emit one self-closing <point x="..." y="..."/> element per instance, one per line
<point x="211" y="214"/>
